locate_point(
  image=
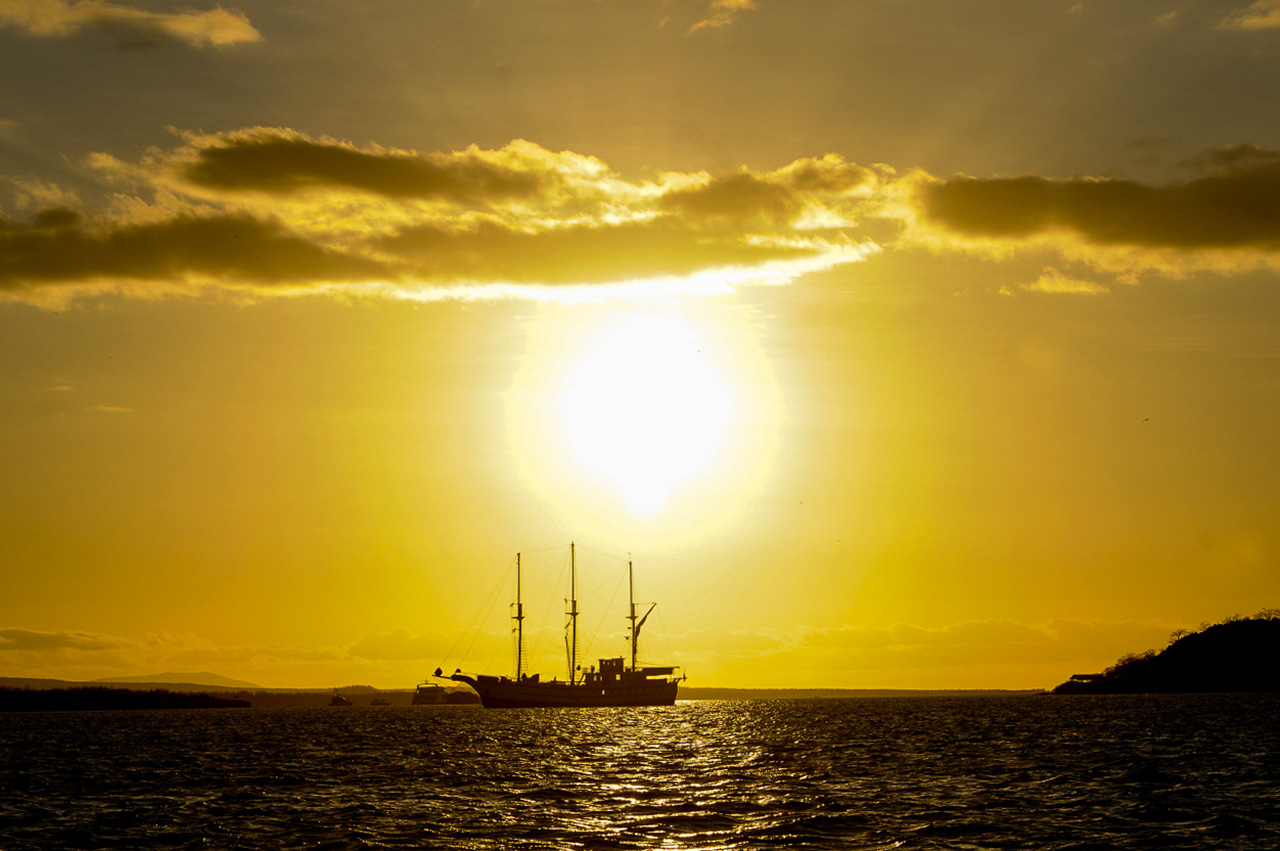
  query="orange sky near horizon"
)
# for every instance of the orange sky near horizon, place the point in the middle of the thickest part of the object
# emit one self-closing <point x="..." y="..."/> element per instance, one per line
<point x="913" y="344"/>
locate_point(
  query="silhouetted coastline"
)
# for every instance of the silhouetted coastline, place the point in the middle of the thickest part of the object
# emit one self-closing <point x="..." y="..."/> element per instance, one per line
<point x="360" y="695"/>
<point x="1237" y="655"/>
<point x="363" y="695"/>
<point x="106" y="698"/>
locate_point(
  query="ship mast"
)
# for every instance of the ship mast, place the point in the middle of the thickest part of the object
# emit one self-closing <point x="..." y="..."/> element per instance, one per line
<point x="572" y="638"/>
<point x="631" y="596"/>
<point x="519" y="619"/>
<point x="636" y="621"/>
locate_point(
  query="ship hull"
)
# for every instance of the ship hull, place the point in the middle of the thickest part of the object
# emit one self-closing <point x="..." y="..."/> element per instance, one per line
<point x="501" y="692"/>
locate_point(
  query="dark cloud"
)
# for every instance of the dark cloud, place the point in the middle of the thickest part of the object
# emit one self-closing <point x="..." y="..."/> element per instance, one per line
<point x="278" y="164"/>
<point x="271" y="206"/>
<point x="735" y="197"/>
<point x="54" y="217"/>
<point x="1233" y="159"/>
<point x="827" y="174"/>
<point x="1235" y="207"/>
<point x="58" y="247"/>
<point x="574" y="254"/>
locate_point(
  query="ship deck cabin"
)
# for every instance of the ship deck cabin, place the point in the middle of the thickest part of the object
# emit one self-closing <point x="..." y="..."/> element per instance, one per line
<point x="613" y="673"/>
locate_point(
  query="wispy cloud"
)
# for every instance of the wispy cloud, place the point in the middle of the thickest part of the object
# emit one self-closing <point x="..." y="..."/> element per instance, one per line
<point x="397" y="656"/>
<point x="398" y="645"/>
<point x="722" y="13"/>
<point x="1261" y="15"/>
<point x="217" y="27"/>
<point x="19" y="640"/>
<point x="1055" y="282"/>
<point x="881" y="656"/>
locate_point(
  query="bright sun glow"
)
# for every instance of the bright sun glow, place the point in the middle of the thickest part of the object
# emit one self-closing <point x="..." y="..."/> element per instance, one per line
<point x="646" y="410"/>
<point x="636" y="421"/>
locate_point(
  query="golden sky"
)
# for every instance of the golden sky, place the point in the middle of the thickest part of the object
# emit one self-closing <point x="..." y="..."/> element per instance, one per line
<point x="902" y="343"/>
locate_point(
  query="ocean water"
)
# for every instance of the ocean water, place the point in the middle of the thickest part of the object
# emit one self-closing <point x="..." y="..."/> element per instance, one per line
<point x="1023" y="772"/>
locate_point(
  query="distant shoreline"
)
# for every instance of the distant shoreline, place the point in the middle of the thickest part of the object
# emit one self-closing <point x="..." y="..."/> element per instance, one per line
<point x="103" y="698"/>
<point x="711" y="693"/>
<point x="365" y="695"/>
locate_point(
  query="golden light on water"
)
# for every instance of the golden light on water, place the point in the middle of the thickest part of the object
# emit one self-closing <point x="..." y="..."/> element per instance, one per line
<point x="650" y="420"/>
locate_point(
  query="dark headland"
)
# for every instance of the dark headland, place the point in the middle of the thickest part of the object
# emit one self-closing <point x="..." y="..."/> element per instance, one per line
<point x="1237" y="655"/>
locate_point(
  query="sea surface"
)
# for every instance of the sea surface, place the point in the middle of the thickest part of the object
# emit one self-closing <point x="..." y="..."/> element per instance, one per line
<point x="1024" y="772"/>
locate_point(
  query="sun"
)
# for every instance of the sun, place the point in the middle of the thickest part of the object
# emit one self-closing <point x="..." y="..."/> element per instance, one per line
<point x="643" y="420"/>
<point x="645" y="410"/>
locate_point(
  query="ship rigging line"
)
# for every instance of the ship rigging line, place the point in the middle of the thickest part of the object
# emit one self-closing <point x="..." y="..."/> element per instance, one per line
<point x="602" y="553"/>
<point x="662" y="629"/>
<point x="542" y="639"/>
<point x="604" y="614"/>
<point x="481" y="617"/>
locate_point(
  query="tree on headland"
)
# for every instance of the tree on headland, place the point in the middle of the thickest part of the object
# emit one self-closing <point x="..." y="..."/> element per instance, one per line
<point x="1238" y="655"/>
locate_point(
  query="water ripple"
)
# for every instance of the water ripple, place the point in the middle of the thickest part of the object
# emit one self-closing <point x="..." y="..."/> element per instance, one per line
<point x="939" y="773"/>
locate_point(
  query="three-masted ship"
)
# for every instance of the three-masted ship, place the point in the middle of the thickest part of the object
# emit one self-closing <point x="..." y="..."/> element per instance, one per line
<point x="614" y="683"/>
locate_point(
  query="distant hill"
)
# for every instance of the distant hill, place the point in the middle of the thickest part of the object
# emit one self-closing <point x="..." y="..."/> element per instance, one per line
<point x="203" y="678"/>
<point x="1238" y="655"/>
